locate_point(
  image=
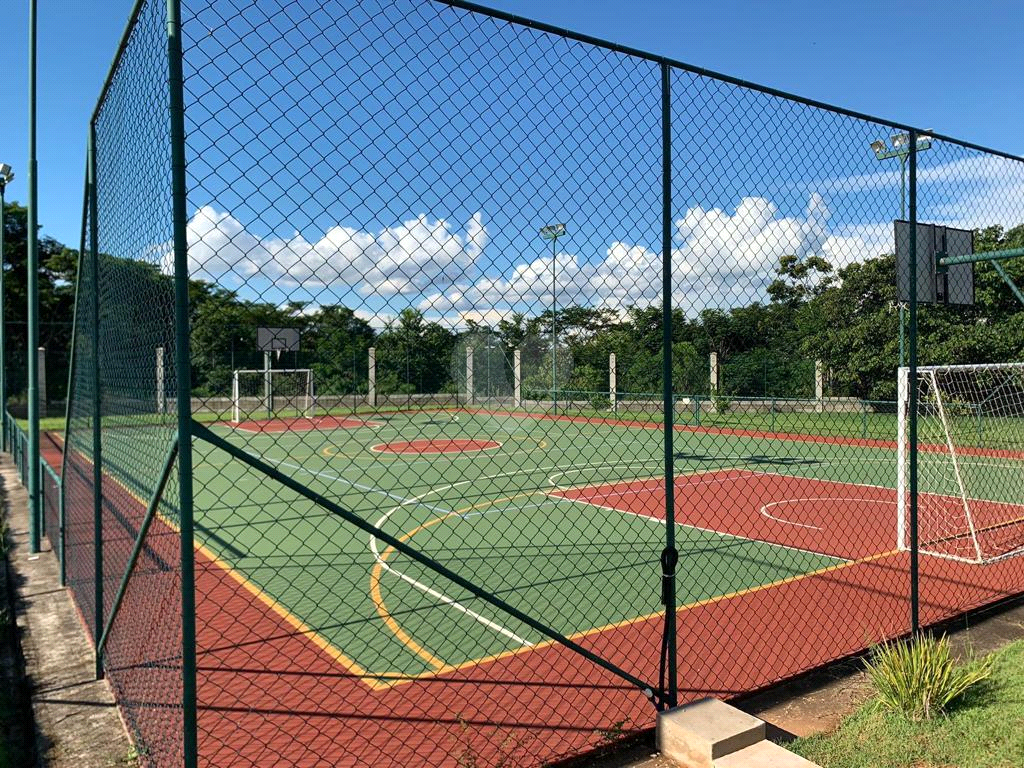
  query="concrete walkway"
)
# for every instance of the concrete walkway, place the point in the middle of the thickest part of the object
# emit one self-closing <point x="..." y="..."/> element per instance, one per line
<point x="77" y="724"/>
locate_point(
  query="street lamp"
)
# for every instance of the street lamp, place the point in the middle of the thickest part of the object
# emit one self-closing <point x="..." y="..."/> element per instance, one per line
<point x="552" y="232"/>
<point x="6" y="176"/>
<point x="901" y="149"/>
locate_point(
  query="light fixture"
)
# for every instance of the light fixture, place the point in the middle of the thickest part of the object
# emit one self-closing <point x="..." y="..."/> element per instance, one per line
<point x="900" y="140"/>
<point x="552" y="231"/>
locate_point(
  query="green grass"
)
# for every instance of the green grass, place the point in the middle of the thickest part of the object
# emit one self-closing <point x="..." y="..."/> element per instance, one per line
<point x="984" y="729"/>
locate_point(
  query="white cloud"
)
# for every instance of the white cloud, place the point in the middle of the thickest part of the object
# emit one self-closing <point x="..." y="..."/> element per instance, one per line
<point x="720" y="259"/>
<point x="401" y="260"/>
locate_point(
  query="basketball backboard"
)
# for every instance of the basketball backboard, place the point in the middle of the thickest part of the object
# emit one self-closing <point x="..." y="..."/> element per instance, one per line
<point x="935" y="284"/>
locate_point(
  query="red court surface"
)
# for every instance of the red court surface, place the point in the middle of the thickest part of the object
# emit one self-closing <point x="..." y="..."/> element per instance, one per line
<point x="270" y="692"/>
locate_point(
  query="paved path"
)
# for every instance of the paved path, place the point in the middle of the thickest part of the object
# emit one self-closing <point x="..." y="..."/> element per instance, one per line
<point x="77" y="724"/>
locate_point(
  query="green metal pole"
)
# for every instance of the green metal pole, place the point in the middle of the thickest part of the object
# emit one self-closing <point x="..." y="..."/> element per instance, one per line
<point x="3" y="357"/>
<point x="202" y="432"/>
<point x="993" y="256"/>
<point x="140" y="540"/>
<point x="554" y="330"/>
<point x="915" y="616"/>
<point x="176" y="83"/>
<point x="669" y="556"/>
<point x="97" y="398"/>
<point x="82" y="243"/>
<point x="35" y="509"/>
<point x="1008" y="280"/>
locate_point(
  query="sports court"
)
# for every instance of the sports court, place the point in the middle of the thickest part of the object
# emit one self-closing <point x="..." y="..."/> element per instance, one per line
<point x="559" y="516"/>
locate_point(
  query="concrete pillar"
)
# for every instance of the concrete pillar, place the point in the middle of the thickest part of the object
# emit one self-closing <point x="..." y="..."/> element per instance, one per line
<point x="161" y="393"/>
<point x="470" y="394"/>
<point x="517" y="379"/>
<point x="819" y="386"/>
<point x="41" y="358"/>
<point x="371" y="381"/>
<point x="713" y="363"/>
<point x="612" y="383"/>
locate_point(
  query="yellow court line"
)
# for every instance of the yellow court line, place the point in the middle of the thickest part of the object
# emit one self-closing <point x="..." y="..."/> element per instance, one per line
<point x="378" y="600"/>
<point x="613" y="625"/>
<point x="640" y="619"/>
<point x="370" y="679"/>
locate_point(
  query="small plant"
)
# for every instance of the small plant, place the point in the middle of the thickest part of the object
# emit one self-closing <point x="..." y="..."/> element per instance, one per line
<point x="616" y="731"/>
<point x="920" y="679"/>
<point x="720" y="402"/>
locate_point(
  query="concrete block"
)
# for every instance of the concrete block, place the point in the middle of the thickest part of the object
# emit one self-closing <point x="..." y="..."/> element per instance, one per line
<point x="697" y="734"/>
<point x="764" y="754"/>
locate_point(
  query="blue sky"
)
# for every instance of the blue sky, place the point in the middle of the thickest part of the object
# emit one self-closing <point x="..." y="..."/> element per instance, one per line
<point x="963" y="80"/>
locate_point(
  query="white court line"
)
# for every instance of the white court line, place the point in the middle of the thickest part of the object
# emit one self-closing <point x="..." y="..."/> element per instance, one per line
<point x="764" y="509"/>
<point x="415" y="501"/>
<point x="661" y="521"/>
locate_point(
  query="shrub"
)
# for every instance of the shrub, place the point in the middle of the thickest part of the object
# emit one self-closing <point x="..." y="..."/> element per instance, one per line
<point x="920" y="679"/>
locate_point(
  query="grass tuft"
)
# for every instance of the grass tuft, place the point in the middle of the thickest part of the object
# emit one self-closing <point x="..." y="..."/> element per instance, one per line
<point x="920" y="679"/>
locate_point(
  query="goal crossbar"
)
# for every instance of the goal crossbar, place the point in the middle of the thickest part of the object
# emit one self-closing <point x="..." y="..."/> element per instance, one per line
<point x="271" y="392"/>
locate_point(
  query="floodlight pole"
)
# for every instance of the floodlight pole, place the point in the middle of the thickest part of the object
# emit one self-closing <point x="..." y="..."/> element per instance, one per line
<point x="901" y="150"/>
<point x="35" y="512"/>
<point x="5" y="176"/>
<point x="552" y="232"/>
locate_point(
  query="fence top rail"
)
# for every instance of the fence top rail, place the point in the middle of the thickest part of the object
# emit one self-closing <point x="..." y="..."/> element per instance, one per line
<point x="523" y="21"/>
<point x="129" y="27"/>
<point x="540" y="26"/>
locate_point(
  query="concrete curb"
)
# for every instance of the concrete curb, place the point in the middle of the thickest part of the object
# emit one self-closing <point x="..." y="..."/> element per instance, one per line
<point x="77" y="723"/>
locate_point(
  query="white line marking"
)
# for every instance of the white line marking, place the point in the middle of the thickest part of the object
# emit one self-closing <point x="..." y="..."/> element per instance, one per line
<point x="415" y="501"/>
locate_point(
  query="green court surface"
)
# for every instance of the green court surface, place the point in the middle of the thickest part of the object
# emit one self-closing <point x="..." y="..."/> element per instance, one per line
<point x="493" y="514"/>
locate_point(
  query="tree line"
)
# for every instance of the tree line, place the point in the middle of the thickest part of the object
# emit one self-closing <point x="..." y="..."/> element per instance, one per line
<point x="846" y="318"/>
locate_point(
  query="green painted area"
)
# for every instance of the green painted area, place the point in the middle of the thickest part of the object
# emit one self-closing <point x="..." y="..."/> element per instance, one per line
<point x="489" y="516"/>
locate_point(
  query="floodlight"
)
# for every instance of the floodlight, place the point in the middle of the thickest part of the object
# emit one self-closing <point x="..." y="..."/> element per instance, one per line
<point x="5" y="172"/>
<point x="552" y="231"/>
<point x="879" y="147"/>
<point x="900" y="140"/>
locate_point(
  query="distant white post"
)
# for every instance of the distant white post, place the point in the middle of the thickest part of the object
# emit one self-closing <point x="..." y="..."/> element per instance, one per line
<point x="713" y="364"/>
<point x="161" y="394"/>
<point x="268" y="394"/>
<point x="517" y="379"/>
<point x="819" y="386"/>
<point x="471" y="395"/>
<point x="371" y="381"/>
<point x="612" y="383"/>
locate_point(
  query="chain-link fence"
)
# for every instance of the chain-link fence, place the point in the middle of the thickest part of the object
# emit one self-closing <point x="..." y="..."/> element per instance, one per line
<point x="595" y="407"/>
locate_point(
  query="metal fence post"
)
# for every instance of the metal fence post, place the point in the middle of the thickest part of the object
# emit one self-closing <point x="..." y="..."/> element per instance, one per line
<point x="669" y="556"/>
<point x="34" y="478"/>
<point x="97" y="410"/>
<point x="915" y="616"/>
<point x="176" y="85"/>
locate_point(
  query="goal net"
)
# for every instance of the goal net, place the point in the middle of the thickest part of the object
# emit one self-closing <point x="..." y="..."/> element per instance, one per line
<point x="970" y="461"/>
<point x="276" y="392"/>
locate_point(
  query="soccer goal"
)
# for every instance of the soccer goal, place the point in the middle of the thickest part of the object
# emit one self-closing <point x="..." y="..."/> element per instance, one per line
<point x="272" y="392"/>
<point x="970" y="461"/>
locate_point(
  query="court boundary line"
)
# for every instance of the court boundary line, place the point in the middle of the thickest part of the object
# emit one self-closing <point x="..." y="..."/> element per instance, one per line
<point x="359" y="673"/>
<point x="724" y="534"/>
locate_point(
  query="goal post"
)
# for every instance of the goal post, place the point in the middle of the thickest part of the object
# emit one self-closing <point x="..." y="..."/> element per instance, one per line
<point x="259" y="394"/>
<point x="970" y="459"/>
